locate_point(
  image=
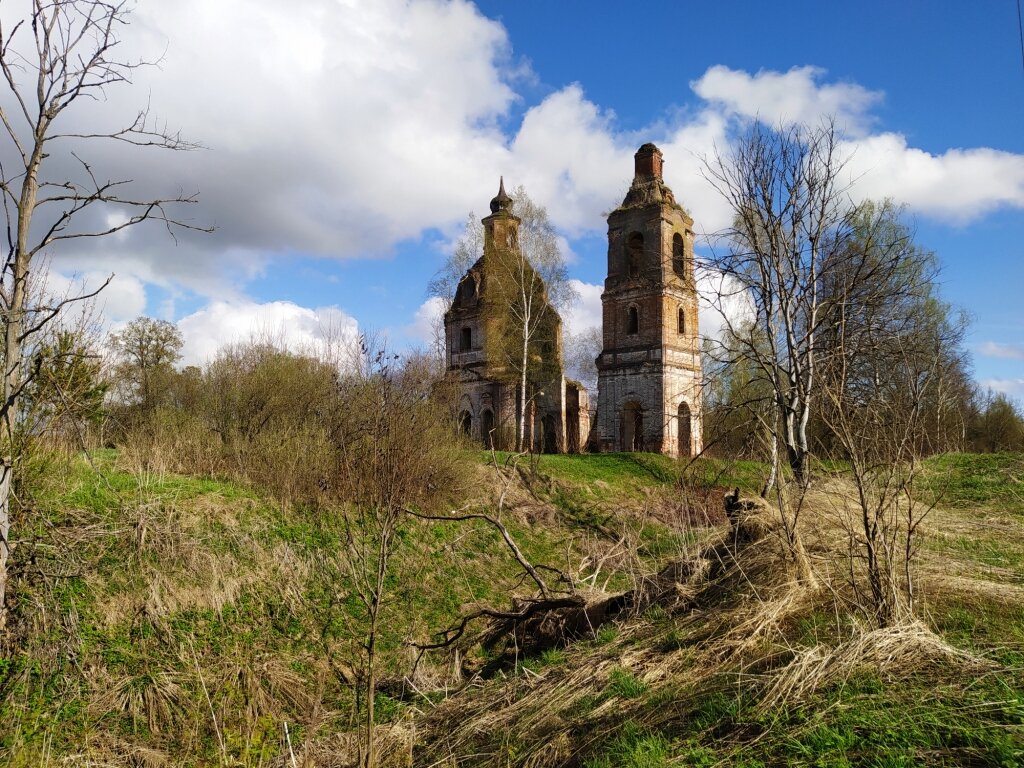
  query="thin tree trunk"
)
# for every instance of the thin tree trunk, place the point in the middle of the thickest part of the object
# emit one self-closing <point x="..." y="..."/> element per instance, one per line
<point x="5" y="532"/>
<point x="774" y="440"/>
<point x="371" y="690"/>
<point x="12" y="358"/>
<point x="522" y="395"/>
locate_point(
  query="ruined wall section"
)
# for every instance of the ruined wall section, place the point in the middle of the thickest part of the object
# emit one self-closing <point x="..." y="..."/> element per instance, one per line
<point x="478" y="329"/>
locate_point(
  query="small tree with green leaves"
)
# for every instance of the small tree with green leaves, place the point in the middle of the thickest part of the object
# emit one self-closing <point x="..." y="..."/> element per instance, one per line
<point x="146" y="351"/>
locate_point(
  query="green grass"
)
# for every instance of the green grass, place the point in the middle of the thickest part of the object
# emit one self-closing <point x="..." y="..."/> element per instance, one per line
<point x="863" y="722"/>
<point x="267" y="646"/>
<point x="1005" y="553"/>
<point x="604" y="474"/>
<point x="970" y="479"/>
<point x="625" y="685"/>
<point x="633" y="747"/>
<point x="283" y="606"/>
<point x="608" y="475"/>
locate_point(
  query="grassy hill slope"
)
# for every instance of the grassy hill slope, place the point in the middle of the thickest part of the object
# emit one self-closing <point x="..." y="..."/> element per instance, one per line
<point x="168" y="620"/>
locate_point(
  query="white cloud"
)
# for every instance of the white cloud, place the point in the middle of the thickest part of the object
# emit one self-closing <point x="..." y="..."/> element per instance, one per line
<point x="685" y="149"/>
<point x="572" y="160"/>
<point x="427" y="320"/>
<point x="340" y="128"/>
<point x="586" y="312"/>
<point x="1007" y="351"/>
<point x="959" y="185"/>
<point x="122" y="300"/>
<point x="332" y="127"/>
<point x="790" y="97"/>
<point x="1011" y="387"/>
<point x="327" y="332"/>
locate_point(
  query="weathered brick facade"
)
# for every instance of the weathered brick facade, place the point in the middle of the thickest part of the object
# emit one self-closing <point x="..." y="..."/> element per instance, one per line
<point x="557" y="411"/>
<point x="649" y="370"/>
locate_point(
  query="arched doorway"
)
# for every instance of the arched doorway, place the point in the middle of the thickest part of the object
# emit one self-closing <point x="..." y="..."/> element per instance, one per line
<point x="466" y="423"/>
<point x="487" y="429"/>
<point x="632" y="427"/>
<point x="550" y="433"/>
<point x="685" y="430"/>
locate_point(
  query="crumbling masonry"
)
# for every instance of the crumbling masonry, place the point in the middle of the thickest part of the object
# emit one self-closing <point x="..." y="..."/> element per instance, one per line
<point x="649" y="369"/>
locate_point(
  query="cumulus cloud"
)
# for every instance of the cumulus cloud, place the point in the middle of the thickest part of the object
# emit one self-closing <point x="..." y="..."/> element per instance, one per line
<point x="572" y="159"/>
<point x="327" y="332"/>
<point x="572" y="155"/>
<point x="336" y="129"/>
<point x="586" y="311"/>
<point x="1006" y="351"/>
<point x="340" y="128"/>
<point x="959" y="184"/>
<point x="1011" y="387"/>
<point x="796" y="96"/>
<point x="428" y="318"/>
<point x="123" y="299"/>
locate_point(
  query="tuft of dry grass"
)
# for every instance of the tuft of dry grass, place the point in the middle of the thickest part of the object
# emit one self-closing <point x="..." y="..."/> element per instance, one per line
<point x="895" y="653"/>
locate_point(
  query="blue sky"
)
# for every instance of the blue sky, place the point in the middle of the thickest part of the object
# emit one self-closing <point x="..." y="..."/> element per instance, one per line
<point x="346" y="141"/>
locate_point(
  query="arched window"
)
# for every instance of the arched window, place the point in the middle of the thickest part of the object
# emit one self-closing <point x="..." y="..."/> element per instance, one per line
<point x="634" y="254"/>
<point x="466" y="342"/>
<point x="682" y="321"/>
<point x="632" y="321"/>
<point x="487" y="428"/>
<point x="678" y="255"/>
<point x="685" y="430"/>
<point x="466" y="423"/>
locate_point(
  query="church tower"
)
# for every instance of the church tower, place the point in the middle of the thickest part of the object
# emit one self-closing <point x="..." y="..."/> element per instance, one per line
<point x="554" y="415"/>
<point x="649" y="371"/>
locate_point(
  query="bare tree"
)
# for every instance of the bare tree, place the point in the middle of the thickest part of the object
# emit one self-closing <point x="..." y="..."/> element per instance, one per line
<point x="792" y="218"/>
<point x="876" y="409"/>
<point x="581" y="352"/>
<point x="848" y="337"/>
<point x="60" y="54"/>
<point x="392" y="456"/>
<point x="893" y="344"/>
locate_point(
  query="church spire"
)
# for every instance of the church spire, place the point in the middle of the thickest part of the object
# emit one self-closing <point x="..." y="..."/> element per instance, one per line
<point x="501" y="201"/>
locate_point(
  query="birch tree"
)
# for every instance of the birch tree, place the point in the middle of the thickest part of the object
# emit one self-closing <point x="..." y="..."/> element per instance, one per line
<point x="529" y="284"/>
<point x="791" y="220"/>
<point x="54" y="57"/>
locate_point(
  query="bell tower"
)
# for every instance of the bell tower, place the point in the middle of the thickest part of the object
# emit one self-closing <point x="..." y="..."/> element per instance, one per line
<point x="649" y="370"/>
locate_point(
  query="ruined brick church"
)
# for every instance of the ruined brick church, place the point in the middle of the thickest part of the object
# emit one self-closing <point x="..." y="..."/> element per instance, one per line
<point x="649" y="369"/>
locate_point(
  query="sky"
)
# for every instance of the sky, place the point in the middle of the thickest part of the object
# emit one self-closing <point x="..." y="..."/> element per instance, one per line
<point x="345" y="141"/>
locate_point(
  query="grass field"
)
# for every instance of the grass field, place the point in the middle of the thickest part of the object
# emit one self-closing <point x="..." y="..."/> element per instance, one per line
<point x="168" y="620"/>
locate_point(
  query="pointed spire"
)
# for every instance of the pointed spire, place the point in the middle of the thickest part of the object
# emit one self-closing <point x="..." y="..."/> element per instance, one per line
<point x="501" y="202"/>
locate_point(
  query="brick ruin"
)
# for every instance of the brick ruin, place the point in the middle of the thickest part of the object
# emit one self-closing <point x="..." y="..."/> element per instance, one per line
<point x="557" y="418"/>
<point x="649" y="369"/>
